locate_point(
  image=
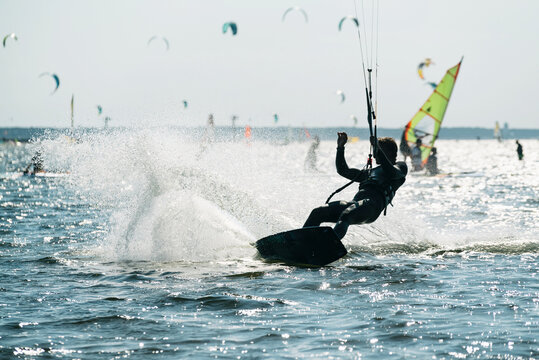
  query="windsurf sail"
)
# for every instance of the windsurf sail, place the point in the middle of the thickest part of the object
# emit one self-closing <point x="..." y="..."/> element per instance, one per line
<point x="426" y="123"/>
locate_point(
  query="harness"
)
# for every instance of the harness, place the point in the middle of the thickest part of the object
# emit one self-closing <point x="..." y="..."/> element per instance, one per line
<point x="389" y="194"/>
<point x="386" y="189"/>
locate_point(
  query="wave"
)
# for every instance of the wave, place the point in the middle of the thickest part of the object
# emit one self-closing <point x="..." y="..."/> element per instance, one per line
<point x="499" y="246"/>
<point x="169" y="197"/>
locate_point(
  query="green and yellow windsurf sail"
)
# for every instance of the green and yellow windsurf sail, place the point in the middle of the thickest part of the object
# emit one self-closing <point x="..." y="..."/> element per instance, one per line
<point x="427" y="122"/>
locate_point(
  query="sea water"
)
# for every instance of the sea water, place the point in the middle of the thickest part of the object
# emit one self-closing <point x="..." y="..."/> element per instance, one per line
<point x="139" y="244"/>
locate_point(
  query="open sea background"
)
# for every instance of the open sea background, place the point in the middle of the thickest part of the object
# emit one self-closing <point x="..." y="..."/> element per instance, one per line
<point x="138" y="244"/>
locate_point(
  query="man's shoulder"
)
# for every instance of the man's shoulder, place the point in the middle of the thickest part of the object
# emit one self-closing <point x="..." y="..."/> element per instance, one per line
<point x="402" y="166"/>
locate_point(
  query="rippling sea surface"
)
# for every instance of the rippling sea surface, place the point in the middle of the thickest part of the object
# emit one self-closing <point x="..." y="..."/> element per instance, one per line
<point x="139" y="244"/>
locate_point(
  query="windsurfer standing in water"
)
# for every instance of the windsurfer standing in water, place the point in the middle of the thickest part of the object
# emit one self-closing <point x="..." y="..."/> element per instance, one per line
<point x="377" y="187"/>
<point x="404" y="147"/>
<point x="432" y="162"/>
<point x="310" y="159"/>
<point x="416" y="156"/>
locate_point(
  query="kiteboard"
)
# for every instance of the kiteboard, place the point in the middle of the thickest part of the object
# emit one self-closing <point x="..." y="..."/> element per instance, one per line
<point x="313" y="245"/>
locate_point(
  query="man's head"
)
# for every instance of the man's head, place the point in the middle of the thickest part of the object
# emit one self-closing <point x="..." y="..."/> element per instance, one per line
<point x="389" y="147"/>
<point x="418" y="142"/>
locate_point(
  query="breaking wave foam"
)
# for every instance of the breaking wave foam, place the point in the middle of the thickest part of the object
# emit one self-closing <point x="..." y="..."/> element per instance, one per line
<point x="169" y="197"/>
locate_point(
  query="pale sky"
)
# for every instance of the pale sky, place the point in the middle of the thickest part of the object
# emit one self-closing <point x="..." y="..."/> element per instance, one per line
<point x="99" y="50"/>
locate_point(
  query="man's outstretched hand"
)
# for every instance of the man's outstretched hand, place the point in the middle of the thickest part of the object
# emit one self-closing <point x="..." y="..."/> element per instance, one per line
<point x="342" y="139"/>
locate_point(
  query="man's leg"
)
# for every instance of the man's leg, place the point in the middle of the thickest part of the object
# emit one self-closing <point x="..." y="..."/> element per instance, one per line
<point x="361" y="212"/>
<point x="327" y="213"/>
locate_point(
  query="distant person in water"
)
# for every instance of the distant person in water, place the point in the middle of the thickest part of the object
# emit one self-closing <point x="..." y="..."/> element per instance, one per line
<point x="416" y="156"/>
<point x="35" y="166"/>
<point x="208" y="137"/>
<point x="432" y="163"/>
<point x="310" y="159"/>
<point x="209" y="133"/>
<point x="520" y="152"/>
<point x="404" y="147"/>
<point x="377" y="188"/>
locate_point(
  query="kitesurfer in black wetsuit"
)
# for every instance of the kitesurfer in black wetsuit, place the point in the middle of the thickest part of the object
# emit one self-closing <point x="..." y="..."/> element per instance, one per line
<point x="377" y="187"/>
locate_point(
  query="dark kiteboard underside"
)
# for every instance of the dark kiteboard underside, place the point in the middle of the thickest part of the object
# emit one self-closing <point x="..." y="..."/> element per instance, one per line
<point x="306" y="246"/>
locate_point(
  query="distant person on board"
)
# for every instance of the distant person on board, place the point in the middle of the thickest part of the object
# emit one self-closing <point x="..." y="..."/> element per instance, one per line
<point x="520" y="152"/>
<point x="36" y="165"/>
<point x="310" y="159"/>
<point x="416" y="156"/>
<point x="432" y="163"/>
<point x="377" y="188"/>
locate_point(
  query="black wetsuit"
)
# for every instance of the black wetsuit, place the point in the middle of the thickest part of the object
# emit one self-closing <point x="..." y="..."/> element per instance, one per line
<point x="377" y="188"/>
<point x="404" y="147"/>
<point x="36" y="164"/>
<point x="520" y="152"/>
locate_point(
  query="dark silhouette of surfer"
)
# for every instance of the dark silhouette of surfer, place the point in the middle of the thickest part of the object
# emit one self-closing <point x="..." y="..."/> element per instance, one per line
<point x="404" y="147"/>
<point x="432" y="162"/>
<point x="377" y="187"/>
<point x="520" y="151"/>
<point x="35" y="166"/>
